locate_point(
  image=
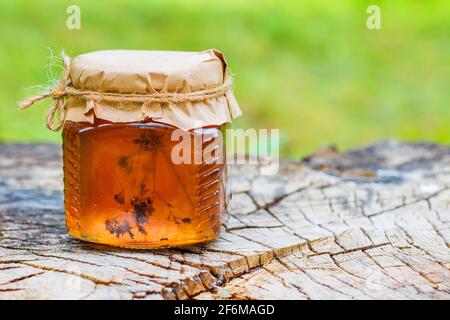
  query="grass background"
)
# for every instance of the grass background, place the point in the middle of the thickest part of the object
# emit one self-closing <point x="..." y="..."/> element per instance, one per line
<point x="310" y="68"/>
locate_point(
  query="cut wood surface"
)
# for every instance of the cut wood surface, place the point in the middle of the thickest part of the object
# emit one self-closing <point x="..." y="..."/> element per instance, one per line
<point x="372" y="223"/>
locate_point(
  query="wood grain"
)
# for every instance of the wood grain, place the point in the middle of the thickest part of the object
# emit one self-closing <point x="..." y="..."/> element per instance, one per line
<point x="372" y="223"/>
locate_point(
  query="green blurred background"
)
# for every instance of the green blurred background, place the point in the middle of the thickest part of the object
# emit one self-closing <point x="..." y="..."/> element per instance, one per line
<point x="310" y="68"/>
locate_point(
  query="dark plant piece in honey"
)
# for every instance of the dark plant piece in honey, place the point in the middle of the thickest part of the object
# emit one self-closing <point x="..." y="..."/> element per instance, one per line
<point x="120" y="197"/>
<point x="124" y="163"/>
<point x="148" y="141"/>
<point x="143" y="188"/>
<point x="118" y="229"/>
<point x="143" y="209"/>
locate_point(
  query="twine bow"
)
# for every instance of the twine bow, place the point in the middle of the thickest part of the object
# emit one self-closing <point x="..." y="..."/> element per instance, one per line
<point x="64" y="89"/>
<point x="58" y="94"/>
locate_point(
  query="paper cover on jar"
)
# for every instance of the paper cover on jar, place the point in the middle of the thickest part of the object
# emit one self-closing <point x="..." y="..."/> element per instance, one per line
<point x="151" y="72"/>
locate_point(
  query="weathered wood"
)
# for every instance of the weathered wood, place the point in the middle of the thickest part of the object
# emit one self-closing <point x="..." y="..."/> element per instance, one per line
<point x="373" y="223"/>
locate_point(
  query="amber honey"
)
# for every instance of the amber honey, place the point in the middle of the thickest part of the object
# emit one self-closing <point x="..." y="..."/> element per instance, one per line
<point x="122" y="188"/>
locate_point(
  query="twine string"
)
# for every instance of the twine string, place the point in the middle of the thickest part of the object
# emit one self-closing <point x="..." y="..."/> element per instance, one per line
<point x="64" y="89"/>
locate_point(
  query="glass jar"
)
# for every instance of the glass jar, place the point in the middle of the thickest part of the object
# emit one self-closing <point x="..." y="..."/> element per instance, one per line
<point x="120" y="110"/>
<point x="122" y="188"/>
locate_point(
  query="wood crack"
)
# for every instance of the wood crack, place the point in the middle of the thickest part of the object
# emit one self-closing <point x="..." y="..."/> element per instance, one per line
<point x="372" y="223"/>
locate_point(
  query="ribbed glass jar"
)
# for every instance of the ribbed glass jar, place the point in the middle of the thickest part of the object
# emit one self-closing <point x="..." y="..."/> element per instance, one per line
<point x="122" y="187"/>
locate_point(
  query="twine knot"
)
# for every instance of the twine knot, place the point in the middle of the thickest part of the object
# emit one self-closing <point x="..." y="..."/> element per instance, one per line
<point x="57" y="94"/>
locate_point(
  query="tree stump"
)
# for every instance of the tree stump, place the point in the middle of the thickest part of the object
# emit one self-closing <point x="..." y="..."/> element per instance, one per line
<point x="372" y="223"/>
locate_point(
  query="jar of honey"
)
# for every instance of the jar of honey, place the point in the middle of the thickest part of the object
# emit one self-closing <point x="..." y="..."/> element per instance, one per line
<point x="124" y="115"/>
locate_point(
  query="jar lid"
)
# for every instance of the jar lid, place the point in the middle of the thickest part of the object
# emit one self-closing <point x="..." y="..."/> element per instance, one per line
<point x="169" y="74"/>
